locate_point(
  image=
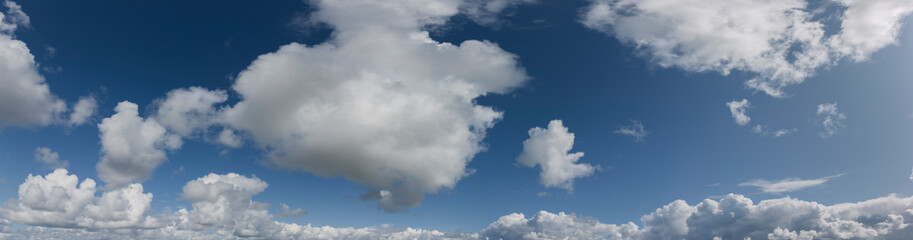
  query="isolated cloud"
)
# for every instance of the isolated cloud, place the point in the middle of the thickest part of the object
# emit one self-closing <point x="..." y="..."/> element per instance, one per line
<point x="84" y="109"/>
<point x="636" y="130"/>
<point x="550" y="149"/>
<point x="289" y="212"/>
<point x="831" y="119"/>
<point x="49" y="159"/>
<point x="739" y="110"/>
<point x="25" y="98"/>
<point x="187" y="111"/>
<point x="132" y="147"/>
<point x="787" y="185"/>
<point x="381" y="103"/>
<point x="777" y="41"/>
<point x="60" y="200"/>
<point x="764" y="131"/>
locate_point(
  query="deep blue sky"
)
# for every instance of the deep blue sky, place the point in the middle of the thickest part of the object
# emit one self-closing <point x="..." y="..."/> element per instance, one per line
<point x="139" y="50"/>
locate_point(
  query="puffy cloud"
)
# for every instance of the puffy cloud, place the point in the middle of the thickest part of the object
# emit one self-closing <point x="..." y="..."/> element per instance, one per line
<point x="58" y="206"/>
<point x="636" y="130"/>
<point x="25" y="98"/>
<point x="831" y="119"/>
<point x="788" y="184"/>
<point x="739" y="110"/>
<point x="60" y="200"/>
<point x="186" y="111"/>
<point x="868" y="26"/>
<point x="228" y="137"/>
<point x="84" y="109"/>
<point x="732" y="217"/>
<point x="381" y="103"/>
<point x="546" y="225"/>
<point x="549" y="148"/>
<point x="49" y="159"/>
<point x="777" y="40"/>
<point x="132" y="147"/>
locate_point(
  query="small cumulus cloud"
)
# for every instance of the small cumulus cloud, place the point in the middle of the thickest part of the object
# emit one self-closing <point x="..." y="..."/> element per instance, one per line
<point x="550" y="149"/>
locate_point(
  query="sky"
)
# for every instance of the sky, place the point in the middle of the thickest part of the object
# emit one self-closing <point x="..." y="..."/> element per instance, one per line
<point x="456" y="119"/>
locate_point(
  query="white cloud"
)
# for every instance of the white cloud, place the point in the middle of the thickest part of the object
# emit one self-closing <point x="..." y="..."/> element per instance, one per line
<point x="831" y="119"/>
<point x="187" y="111"/>
<point x="60" y="200"/>
<point x="788" y="184"/>
<point x="25" y="98"/>
<point x="777" y="41"/>
<point x="381" y="103"/>
<point x="84" y="109"/>
<point x="549" y="148"/>
<point x="738" y="110"/>
<point x="636" y="130"/>
<point x="132" y="147"/>
<point x="58" y="206"/>
<point x="868" y="26"/>
<point x="49" y="159"/>
<point x="732" y="217"/>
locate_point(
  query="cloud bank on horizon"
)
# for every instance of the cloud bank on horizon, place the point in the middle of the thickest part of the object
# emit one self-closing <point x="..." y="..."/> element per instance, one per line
<point x="408" y="127"/>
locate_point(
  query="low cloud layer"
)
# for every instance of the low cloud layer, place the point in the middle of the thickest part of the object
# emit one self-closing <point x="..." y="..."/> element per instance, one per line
<point x="550" y="150"/>
<point x="59" y="206"/>
<point x="777" y="41"/>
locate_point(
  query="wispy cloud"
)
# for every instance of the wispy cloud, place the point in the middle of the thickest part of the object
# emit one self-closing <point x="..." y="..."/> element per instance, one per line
<point x="831" y="119"/>
<point x="636" y="130"/>
<point x="786" y="185"/>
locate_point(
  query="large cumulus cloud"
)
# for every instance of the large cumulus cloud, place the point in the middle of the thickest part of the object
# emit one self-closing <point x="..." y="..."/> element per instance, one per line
<point x="778" y="41"/>
<point x="381" y="103"/>
<point x="25" y="98"/>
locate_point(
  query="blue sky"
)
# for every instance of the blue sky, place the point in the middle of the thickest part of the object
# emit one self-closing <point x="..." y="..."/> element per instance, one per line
<point x="348" y="111"/>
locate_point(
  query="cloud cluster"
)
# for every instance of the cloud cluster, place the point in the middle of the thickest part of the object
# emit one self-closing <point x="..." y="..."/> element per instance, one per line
<point x="787" y="185"/>
<point x="60" y="200"/>
<point x="58" y="206"/>
<point x="732" y="217"/>
<point x="777" y="41"/>
<point x="831" y="119"/>
<point x="380" y="103"/>
<point x="550" y="149"/>
<point x="636" y="130"/>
